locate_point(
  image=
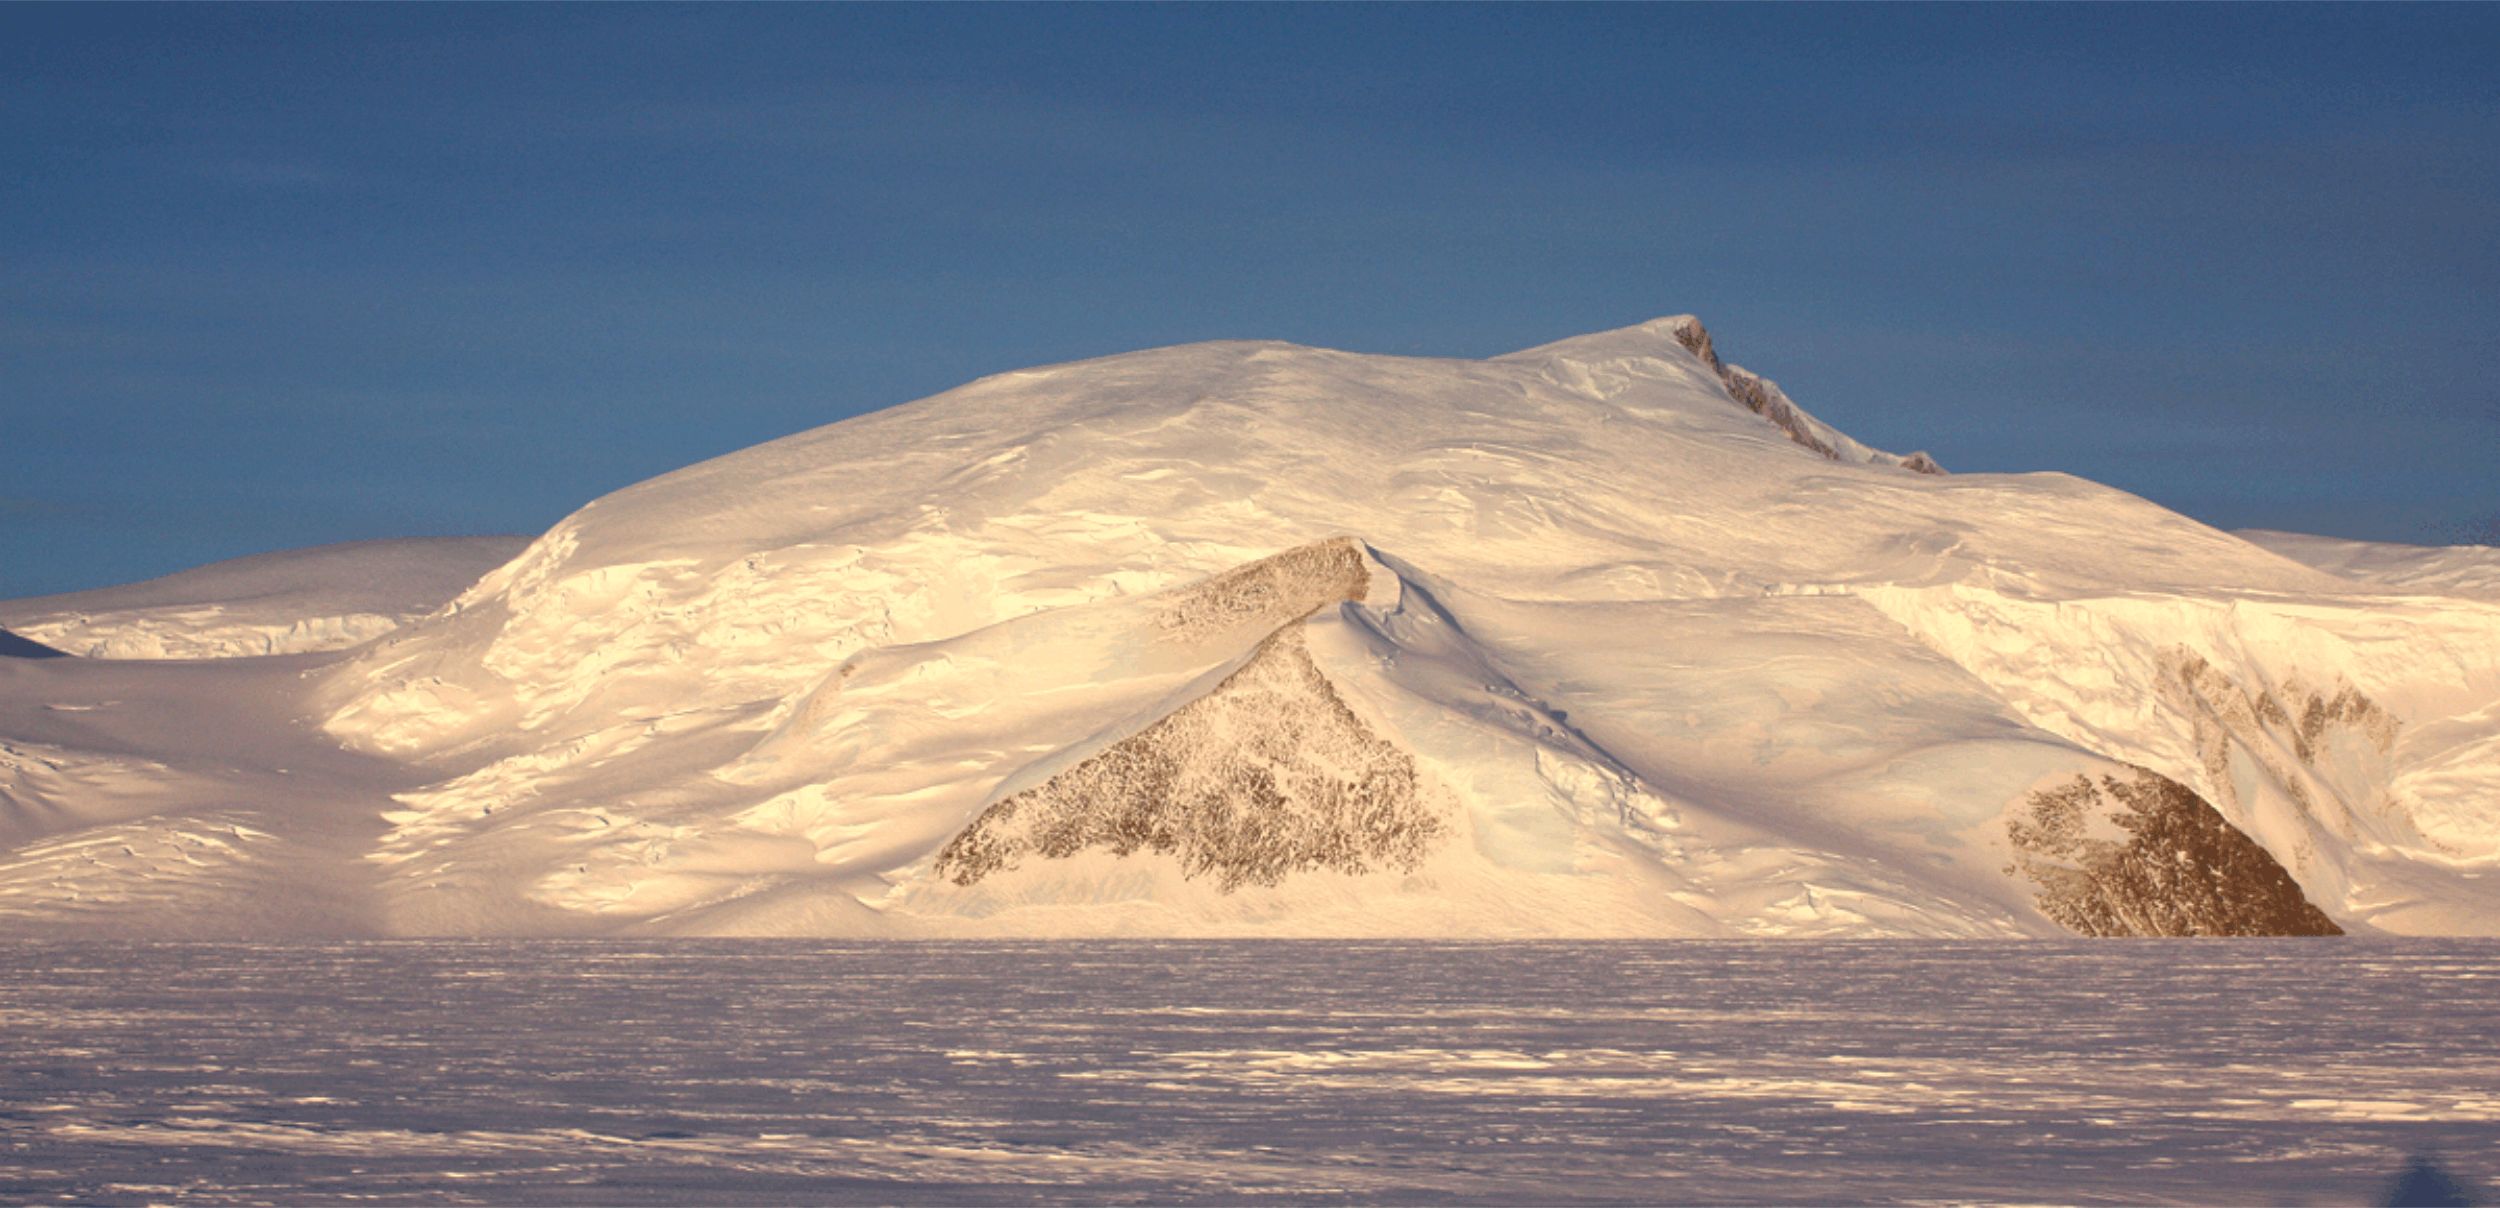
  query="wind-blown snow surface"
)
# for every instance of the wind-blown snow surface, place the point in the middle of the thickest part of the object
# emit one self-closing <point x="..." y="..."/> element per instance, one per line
<point x="1250" y="638"/>
<point x="293" y="602"/>
<point x="2455" y="570"/>
<point x="1239" y="1072"/>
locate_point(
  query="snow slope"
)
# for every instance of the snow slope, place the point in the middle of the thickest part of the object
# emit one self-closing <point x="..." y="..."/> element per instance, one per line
<point x="1249" y="638"/>
<point x="2472" y="571"/>
<point x="290" y="602"/>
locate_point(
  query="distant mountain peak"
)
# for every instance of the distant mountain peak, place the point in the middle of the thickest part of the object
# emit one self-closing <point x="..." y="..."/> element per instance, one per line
<point x="1659" y="340"/>
<point x="1763" y="397"/>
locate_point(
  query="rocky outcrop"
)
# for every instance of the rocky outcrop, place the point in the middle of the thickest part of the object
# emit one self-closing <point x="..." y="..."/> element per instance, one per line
<point x="1267" y="775"/>
<point x="2335" y="781"/>
<point x="1269" y="592"/>
<point x="2148" y="857"/>
<point x="1763" y="397"/>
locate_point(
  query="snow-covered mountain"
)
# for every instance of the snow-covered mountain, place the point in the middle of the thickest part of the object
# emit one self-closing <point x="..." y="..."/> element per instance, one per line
<point x="2446" y="570"/>
<point x="325" y="598"/>
<point x="1605" y="637"/>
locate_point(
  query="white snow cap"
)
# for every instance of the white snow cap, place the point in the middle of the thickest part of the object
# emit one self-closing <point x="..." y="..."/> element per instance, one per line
<point x="1604" y="637"/>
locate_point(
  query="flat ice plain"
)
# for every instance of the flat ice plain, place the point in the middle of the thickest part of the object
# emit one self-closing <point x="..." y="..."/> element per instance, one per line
<point x="1290" y="1072"/>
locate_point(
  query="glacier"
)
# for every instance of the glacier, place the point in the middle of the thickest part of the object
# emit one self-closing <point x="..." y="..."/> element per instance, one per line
<point x="1607" y="637"/>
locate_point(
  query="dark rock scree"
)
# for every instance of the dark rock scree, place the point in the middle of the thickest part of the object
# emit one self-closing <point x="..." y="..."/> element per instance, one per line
<point x="2182" y="869"/>
<point x="1268" y="593"/>
<point x="1267" y="775"/>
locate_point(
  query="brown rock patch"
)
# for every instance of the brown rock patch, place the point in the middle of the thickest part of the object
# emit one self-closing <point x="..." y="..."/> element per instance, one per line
<point x="1267" y="775"/>
<point x="2180" y="869"/>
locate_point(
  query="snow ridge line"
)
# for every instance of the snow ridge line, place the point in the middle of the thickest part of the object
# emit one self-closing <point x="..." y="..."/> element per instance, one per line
<point x="1764" y="398"/>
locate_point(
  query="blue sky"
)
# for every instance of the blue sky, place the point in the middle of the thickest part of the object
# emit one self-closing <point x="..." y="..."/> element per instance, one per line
<point x="277" y="276"/>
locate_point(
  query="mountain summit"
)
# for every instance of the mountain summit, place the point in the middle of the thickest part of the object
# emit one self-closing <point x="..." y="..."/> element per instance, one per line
<point x="1605" y="637"/>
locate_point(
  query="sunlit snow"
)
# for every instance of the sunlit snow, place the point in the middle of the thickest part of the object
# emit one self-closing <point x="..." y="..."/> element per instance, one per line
<point x="1569" y="642"/>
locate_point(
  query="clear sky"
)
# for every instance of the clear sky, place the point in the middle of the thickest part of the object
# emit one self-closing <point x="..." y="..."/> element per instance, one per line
<point x="278" y="276"/>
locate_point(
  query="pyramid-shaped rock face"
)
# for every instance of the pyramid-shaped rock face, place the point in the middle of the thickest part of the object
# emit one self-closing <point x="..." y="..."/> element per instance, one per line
<point x="1250" y="638"/>
<point x="1267" y="775"/>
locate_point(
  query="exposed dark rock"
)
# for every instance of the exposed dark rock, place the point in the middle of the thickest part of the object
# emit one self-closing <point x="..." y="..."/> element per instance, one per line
<point x="1696" y="340"/>
<point x="1271" y="591"/>
<point x="2254" y="722"/>
<point x="2249" y="714"/>
<point x="1267" y="775"/>
<point x="1765" y="399"/>
<point x="2348" y="708"/>
<point x="2175" y="867"/>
